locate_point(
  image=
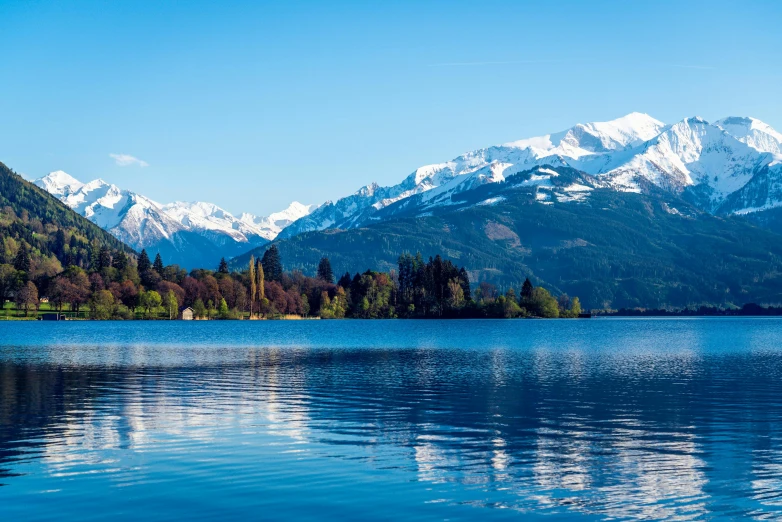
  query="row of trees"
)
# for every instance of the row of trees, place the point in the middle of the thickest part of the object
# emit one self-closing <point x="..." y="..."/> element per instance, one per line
<point x="119" y="286"/>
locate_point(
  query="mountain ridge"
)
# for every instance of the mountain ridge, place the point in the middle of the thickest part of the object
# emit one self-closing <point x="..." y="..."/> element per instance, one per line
<point x="712" y="161"/>
<point x="613" y="249"/>
<point x="191" y="234"/>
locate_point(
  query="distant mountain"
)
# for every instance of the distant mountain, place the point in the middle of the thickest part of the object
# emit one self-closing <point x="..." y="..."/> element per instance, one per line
<point x="51" y="229"/>
<point x="729" y="167"/>
<point x="189" y="234"/>
<point x="569" y="231"/>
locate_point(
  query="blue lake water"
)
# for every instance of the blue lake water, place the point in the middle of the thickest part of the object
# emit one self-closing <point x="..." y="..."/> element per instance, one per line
<point x="390" y="420"/>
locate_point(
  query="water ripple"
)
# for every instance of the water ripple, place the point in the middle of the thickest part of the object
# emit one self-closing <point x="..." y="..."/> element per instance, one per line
<point x="627" y="419"/>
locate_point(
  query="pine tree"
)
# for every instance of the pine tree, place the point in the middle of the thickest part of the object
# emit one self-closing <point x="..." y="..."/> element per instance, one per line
<point x="120" y="261"/>
<point x="158" y="264"/>
<point x="59" y="244"/>
<point x="22" y="260"/>
<point x="345" y="280"/>
<point x="324" y="270"/>
<point x="94" y="252"/>
<point x="223" y="268"/>
<point x="143" y="262"/>
<point x="526" y="290"/>
<point x="253" y="284"/>
<point x="272" y="264"/>
<point x="104" y="258"/>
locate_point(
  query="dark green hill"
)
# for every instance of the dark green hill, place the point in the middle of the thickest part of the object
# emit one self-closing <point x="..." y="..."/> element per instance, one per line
<point x="30" y="216"/>
<point x="614" y="250"/>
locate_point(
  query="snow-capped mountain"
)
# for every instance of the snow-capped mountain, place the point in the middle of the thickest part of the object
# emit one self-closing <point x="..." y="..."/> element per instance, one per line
<point x="189" y="234"/>
<point x="213" y="220"/>
<point x="271" y="225"/>
<point x="754" y="133"/>
<point x="713" y="164"/>
<point x="731" y="166"/>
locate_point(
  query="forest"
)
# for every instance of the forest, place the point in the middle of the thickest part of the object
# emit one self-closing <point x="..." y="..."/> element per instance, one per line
<point x="110" y="284"/>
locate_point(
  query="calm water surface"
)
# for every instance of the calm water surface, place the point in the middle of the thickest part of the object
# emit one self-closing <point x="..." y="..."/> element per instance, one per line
<point x="388" y="420"/>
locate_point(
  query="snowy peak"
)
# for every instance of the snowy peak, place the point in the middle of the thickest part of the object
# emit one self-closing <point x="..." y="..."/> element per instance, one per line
<point x="59" y="183"/>
<point x="294" y="211"/>
<point x="596" y="137"/>
<point x="690" y="153"/>
<point x="270" y="226"/>
<point x="753" y="132"/>
<point x="616" y="134"/>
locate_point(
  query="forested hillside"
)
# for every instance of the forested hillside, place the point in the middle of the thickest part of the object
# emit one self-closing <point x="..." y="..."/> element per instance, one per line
<point x="616" y="249"/>
<point x="39" y="235"/>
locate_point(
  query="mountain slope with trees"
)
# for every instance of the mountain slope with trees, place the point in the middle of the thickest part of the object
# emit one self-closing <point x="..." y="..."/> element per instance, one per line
<point x="41" y="234"/>
<point x="613" y="249"/>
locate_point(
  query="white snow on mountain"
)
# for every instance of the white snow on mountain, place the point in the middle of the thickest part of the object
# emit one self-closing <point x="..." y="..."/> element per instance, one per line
<point x="714" y="160"/>
<point x="144" y="223"/>
<point x="754" y="133"/>
<point x="59" y="183"/>
<point x="733" y="165"/>
<point x="270" y="226"/>
<point x="689" y="153"/>
<point x="593" y="138"/>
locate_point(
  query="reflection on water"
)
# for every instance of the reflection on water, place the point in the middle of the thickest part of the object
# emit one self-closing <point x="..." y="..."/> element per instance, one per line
<point x="673" y="419"/>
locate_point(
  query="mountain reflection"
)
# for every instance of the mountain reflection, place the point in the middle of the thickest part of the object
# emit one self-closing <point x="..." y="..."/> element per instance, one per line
<point x="626" y="435"/>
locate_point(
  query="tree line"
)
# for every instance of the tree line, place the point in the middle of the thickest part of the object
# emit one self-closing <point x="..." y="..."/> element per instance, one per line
<point x="116" y="285"/>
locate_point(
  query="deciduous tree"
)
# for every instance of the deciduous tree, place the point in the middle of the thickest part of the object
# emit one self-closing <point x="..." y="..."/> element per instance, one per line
<point x="27" y="297"/>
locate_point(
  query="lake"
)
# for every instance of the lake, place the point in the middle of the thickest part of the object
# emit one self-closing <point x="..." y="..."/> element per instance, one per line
<point x="388" y="420"/>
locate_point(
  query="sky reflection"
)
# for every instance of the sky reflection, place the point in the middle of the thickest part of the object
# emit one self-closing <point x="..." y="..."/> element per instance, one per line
<point x="687" y="428"/>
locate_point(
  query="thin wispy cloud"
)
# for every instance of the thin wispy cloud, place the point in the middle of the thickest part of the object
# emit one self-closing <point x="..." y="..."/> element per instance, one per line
<point x="682" y="66"/>
<point x="126" y="160"/>
<point x="508" y="62"/>
<point x="540" y="62"/>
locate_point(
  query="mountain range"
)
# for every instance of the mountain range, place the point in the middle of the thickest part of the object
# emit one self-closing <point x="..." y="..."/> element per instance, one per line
<point x="731" y="166"/>
<point x="192" y="235"/>
<point x="629" y="212"/>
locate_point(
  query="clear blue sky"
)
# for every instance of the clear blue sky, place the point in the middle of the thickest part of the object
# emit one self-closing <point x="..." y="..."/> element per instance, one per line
<point x="250" y="105"/>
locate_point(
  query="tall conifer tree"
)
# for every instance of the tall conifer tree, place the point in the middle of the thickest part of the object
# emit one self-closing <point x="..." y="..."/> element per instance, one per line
<point x="223" y="268"/>
<point x="143" y="261"/>
<point x="22" y="260"/>
<point x="324" y="270"/>
<point x="272" y="264"/>
<point x="526" y="289"/>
